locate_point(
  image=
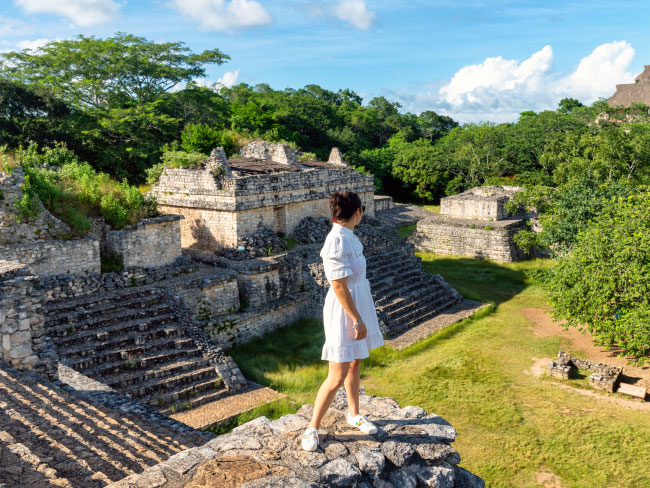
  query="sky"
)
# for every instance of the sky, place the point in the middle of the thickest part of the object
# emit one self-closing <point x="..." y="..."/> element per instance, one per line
<point x="473" y="60"/>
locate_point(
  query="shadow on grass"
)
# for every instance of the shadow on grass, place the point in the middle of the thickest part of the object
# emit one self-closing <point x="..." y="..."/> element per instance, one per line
<point x="480" y="279"/>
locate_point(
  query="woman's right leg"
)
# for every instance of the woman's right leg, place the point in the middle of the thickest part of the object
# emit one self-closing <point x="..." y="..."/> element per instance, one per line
<point x="327" y="391"/>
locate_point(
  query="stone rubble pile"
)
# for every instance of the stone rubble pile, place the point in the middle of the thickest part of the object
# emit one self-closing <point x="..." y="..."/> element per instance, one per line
<point x="264" y="242"/>
<point x="311" y="230"/>
<point x="411" y="449"/>
<point x="603" y="377"/>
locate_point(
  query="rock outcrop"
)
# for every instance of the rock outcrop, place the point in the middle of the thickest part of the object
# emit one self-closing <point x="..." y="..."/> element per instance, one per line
<point x="411" y="449"/>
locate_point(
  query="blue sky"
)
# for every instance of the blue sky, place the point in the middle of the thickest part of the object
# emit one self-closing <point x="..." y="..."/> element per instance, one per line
<point x="473" y="60"/>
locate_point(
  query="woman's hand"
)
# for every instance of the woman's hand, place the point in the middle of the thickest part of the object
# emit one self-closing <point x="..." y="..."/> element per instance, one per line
<point x="360" y="332"/>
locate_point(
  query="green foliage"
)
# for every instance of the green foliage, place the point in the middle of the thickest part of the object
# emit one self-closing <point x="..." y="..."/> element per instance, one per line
<point x="201" y="138"/>
<point x="107" y="73"/>
<point x="604" y="284"/>
<point x="28" y="205"/>
<point x="72" y="190"/>
<point x="111" y="262"/>
<point x="527" y="240"/>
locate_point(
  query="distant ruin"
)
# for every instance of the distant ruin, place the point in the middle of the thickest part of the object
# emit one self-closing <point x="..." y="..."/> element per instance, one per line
<point x="229" y="199"/>
<point x="474" y="223"/>
<point x="637" y="92"/>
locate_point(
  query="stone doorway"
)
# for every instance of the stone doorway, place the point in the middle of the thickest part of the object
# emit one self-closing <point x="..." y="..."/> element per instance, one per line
<point x="280" y="219"/>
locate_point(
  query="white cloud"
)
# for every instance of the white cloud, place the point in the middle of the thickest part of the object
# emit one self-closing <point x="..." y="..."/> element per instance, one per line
<point x="355" y="12"/>
<point x="229" y="79"/>
<point x="32" y="45"/>
<point x="499" y="89"/>
<point x="82" y="12"/>
<point x="223" y="15"/>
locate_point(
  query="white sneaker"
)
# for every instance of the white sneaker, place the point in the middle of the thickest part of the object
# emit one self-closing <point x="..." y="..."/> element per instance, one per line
<point x="362" y="423"/>
<point x="310" y="439"/>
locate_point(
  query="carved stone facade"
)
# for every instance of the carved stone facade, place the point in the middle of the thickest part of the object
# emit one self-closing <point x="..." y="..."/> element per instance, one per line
<point x="265" y="189"/>
<point x="637" y="92"/>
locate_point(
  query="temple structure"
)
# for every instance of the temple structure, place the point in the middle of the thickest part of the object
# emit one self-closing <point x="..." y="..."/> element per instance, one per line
<point x="637" y="92"/>
<point x="266" y="187"/>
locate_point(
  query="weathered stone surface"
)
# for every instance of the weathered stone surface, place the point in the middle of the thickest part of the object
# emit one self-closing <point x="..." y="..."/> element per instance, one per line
<point x="340" y="473"/>
<point x="442" y="476"/>
<point x="151" y="478"/>
<point x="398" y="453"/>
<point x="637" y="92"/>
<point x="345" y="456"/>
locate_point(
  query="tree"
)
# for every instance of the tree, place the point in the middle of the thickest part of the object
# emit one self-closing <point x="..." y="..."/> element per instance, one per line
<point x="568" y="105"/>
<point x="27" y="114"/>
<point x="604" y="284"/>
<point x="433" y="126"/>
<point x="107" y="73"/>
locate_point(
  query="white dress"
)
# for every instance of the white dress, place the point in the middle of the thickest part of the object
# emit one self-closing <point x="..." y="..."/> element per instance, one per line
<point x="342" y="255"/>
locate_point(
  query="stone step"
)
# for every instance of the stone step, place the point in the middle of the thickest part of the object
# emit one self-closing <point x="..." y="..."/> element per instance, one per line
<point x="406" y="307"/>
<point x="407" y="322"/>
<point x="63" y="335"/>
<point x="153" y="371"/>
<point x="417" y="282"/>
<point x="98" y="299"/>
<point x="419" y="295"/>
<point x="103" y="371"/>
<point x="193" y="402"/>
<point x="169" y="383"/>
<point x="391" y="264"/>
<point x="121" y="341"/>
<point x="116" y="308"/>
<point x="129" y="354"/>
<point x="183" y="394"/>
<point x="387" y="283"/>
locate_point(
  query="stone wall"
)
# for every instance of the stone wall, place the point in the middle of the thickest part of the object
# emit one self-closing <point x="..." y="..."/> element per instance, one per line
<point x="637" y="92"/>
<point x="210" y="296"/>
<point x="43" y="227"/>
<point x="24" y="342"/>
<point x="603" y="377"/>
<point x="55" y="257"/>
<point x="481" y="203"/>
<point x="278" y="153"/>
<point x="383" y="202"/>
<point x="239" y="328"/>
<point x="151" y="242"/>
<point x="219" y="211"/>
<point x="491" y="240"/>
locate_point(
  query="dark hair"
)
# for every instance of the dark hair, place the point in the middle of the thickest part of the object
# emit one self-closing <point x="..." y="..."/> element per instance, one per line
<point x="343" y="204"/>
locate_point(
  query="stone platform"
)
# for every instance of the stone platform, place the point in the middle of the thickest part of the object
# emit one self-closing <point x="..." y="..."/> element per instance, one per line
<point x="411" y="449"/>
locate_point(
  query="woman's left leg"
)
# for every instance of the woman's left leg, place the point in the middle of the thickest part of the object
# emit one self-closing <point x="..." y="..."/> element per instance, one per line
<point x="352" y="383"/>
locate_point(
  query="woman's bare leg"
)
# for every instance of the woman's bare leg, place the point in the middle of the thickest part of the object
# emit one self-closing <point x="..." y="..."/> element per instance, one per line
<point x="352" y="383"/>
<point x="327" y="391"/>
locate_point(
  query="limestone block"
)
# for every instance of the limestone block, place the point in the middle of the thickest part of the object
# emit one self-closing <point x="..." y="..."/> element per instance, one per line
<point x="20" y="351"/>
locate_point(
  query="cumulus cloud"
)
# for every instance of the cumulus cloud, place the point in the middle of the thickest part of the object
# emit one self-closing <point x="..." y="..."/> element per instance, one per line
<point x="355" y="12"/>
<point x="499" y="89"/>
<point x="32" y="45"/>
<point x="223" y="15"/>
<point x="229" y="78"/>
<point x="82" y="12"/>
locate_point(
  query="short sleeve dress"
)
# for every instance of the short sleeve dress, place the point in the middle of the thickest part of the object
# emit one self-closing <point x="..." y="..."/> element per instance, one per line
<point x="342" y="255"/>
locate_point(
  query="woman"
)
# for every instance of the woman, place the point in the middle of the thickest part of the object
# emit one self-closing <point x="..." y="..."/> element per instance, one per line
<point x="349" y="316"/>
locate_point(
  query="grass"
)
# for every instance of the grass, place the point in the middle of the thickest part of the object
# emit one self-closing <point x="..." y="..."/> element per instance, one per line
<point x="510" y="424"/>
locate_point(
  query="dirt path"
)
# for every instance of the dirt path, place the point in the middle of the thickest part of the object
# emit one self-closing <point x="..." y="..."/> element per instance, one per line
<point x="545" y="326"/>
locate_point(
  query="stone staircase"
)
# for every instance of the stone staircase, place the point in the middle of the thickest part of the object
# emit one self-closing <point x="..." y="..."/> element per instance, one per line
<point x="134" y="340"/>
<point x="404" y="294"/>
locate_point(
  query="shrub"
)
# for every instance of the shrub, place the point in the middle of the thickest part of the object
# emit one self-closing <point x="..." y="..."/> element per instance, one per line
<point x="111" y="262"/>
<point x="28" y="205"/>
<point x="604" y="283"/>
<point x="73" y="191"/>
<point x="201" y="138"/>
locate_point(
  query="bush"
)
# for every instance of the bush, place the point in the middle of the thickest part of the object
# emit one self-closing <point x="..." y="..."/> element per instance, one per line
<point x="111" y="262"/>
<point x="201" y="138"/>
<point x="604" y="283"/>
<point x="73" y="191"/>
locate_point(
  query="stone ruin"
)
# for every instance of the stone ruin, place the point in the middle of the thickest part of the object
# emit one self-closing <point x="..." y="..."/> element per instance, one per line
<point x="474" y="223"/>
<point x="412" y="448"/>
<point x="637" y="92"/>
<point x="265" y="187"/>
<point x="603" y="377"/>
<point x="155" y="332"/>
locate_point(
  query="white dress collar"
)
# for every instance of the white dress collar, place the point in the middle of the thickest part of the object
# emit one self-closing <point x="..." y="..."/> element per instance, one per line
<point x="341" y="228"/>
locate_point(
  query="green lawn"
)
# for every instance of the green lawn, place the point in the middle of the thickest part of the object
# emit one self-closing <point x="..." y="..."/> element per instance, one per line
<point x="510" y="424"/>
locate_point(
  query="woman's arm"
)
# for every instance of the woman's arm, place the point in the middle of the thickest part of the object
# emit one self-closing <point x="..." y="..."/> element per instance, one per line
<point x="342" y="292"/>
